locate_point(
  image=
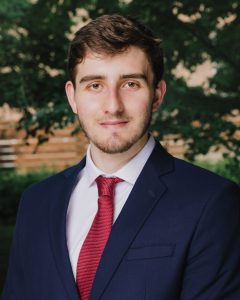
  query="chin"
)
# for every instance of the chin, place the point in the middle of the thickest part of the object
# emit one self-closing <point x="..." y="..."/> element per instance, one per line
<point x="113" y="148"/>
<point x="117" y="145"/>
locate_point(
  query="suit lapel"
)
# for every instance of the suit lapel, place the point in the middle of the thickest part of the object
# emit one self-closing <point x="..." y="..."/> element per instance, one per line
<point x="57" y="229"/>
<point x="146" y="193"/>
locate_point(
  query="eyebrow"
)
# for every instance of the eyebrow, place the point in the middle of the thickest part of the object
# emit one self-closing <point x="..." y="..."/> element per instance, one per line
<point x="135" y="76"/>
<point x="90" y="78"/>
<point x="125" y="76"/>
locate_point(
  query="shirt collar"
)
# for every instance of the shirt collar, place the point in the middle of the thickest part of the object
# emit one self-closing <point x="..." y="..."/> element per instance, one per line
<point x="128" y="172"/>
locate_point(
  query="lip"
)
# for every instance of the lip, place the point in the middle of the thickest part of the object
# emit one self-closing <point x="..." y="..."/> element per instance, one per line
<point x="114" y="123"/>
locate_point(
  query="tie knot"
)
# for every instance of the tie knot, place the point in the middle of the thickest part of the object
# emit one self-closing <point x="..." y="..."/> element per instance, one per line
<point x="106" y="185"/>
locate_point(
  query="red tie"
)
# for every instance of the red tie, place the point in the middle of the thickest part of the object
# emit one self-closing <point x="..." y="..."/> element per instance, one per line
<point x="97" y="236"/>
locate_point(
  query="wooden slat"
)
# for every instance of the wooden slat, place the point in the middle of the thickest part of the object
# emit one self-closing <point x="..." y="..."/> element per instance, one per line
<point x="44" y="155"/>
<point x="7" y="157"/>
<point x="7" y="165"/>
<point x="46" y="164"/>
<point x="7" y="142"/>
<point x="48" y="148"/>
<point x="6" y="149"/>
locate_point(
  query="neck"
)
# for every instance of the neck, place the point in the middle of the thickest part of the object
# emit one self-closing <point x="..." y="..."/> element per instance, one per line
<point x="110" y="163"/>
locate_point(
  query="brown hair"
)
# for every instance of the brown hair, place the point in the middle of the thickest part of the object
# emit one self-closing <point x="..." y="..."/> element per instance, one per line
<point x="112" y="34"/>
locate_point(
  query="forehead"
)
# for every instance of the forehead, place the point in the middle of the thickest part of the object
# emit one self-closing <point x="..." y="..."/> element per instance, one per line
<point x="131" y="60"/>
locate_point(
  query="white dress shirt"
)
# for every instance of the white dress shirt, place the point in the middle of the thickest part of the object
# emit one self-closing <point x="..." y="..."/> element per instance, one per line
<point x="83" y="203"/>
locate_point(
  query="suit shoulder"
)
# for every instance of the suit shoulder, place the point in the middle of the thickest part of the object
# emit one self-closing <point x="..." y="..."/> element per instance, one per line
<point x="194" y="189"/>
<point x="51" y="181"/>
<point x="200" y="183"/>
<point x="200" y="174"/>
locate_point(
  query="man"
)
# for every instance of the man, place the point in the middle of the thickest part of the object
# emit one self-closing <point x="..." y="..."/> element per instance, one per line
<point x="173" y="231"/>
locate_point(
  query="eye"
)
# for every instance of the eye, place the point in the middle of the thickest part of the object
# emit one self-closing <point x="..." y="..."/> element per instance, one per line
<point x="131" y="85"/>
<point x="95" y="86"/>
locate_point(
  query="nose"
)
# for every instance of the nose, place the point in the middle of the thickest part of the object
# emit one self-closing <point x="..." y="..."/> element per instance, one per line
<point x="113" y="103"/>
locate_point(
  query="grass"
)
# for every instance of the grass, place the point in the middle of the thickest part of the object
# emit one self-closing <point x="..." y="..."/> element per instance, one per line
<point x="6" y="233"/>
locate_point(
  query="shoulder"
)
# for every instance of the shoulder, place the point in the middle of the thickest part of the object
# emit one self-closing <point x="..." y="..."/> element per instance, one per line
<point x="188" y="183"/>
<point x="50" y="181"/>
<point x="201" y="176"/>
<point x="201" y="186"/>
<point x="179" y="172"/>
<point x="53" y="184"/>
<point x="37" y="198"/>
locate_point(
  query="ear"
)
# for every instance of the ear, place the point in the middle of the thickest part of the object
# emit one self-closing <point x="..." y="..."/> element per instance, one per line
<point x="159" y="95"/>
<point x="70" y="92"/>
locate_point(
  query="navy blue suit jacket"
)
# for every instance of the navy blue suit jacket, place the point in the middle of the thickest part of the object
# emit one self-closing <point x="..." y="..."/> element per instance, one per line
<point x="177" y="237"/>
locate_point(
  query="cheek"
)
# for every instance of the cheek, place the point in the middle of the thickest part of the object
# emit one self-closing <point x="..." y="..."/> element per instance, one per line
<point x="140" y="108"/>
<point x="140" y="102"/>
<point x="86" y="107"/>
<point x="85" y="113"/>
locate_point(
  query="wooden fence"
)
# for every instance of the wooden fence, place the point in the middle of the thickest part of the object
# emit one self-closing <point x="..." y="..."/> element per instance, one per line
<point x="60" y="151"/>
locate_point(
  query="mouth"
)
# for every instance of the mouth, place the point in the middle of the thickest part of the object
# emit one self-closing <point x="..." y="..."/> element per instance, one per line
<point x="114" y="124"/>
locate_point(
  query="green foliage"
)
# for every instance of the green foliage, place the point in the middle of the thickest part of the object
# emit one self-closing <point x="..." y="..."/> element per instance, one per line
<point x="12" y="185"/>
<point x="33" y="52"/>
<point x="6" y="233"/>
<point x="33" y="62"/>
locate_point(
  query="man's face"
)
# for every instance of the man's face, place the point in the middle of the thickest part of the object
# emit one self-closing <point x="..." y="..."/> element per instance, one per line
<point x="114" y="99"/>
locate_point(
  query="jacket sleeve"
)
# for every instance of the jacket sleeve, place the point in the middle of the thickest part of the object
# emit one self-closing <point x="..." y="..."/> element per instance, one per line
<point x="213" y="264"/>
<point x="14" y="284"/>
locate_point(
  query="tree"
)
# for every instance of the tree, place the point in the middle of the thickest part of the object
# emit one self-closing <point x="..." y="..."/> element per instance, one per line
<point x="192" y="32"/>
<point x="33" y="61"/>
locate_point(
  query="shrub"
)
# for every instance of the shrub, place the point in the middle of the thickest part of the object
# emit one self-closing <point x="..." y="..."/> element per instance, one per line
<point x="12" y="184"/>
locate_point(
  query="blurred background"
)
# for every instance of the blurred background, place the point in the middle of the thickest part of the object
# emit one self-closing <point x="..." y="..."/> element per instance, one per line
<point x="199" y="120"/>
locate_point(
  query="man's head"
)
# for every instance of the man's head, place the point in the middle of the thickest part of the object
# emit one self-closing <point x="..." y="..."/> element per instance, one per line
<point x="116" y="66"/>
<point x="113" y="34"/>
